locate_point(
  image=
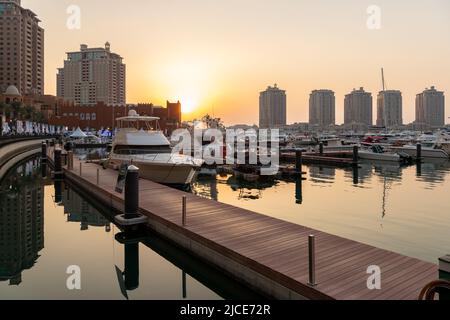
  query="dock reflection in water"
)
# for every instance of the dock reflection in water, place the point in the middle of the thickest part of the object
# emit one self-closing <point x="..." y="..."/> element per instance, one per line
<point x="402" y="209"/>
<point x="78" y="233"/>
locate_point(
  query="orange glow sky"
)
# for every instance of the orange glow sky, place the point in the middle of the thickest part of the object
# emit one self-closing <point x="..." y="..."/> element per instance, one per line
<point x="216" y="56"/>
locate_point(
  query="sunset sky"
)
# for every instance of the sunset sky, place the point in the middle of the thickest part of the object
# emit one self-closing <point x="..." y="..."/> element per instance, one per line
<point x="216" y="56"/>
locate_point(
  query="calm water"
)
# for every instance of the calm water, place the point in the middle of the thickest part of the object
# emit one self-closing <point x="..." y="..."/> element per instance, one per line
<point x="47" y="227"/>
<point x="40" y="239"/>
<point x="402" y="209"/>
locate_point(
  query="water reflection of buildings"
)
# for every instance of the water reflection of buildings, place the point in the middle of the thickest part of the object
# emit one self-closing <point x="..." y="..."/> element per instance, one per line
<point x="79" y="210"/>
<point x="21" y="220"/>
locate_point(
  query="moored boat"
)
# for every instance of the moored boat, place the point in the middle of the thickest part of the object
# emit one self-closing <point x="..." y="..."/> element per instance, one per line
<point x="150" y="150"/>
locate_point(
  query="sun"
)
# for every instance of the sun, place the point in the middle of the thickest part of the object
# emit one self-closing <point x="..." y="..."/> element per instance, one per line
<point x="188" y="105"/>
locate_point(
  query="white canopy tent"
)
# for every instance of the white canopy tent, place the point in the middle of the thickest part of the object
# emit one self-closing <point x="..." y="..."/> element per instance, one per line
<point x="78" y="134"/>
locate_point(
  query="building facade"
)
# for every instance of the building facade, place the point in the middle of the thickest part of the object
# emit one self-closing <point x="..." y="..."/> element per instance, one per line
<point x="103" y="116"/>
<point x="21" y="49"/>
<point x="358" y="107"/>
<point x="92" y="75"/>
<point x="430" y="108"/>
<point x="389" y="109"/>
<point x="272" y="108"/>
<point x="322" y="108"/>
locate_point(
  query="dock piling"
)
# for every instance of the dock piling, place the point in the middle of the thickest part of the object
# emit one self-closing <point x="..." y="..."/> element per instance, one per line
<point x="183" y="212"/>
<point x="44" y="152"/>
<point x="58" y="164"/>
<point x="298" y="162"/>
<point x="70" y="160"/>
<point x="312" y="260"/>
<point x="131" y="219"/>
<point x="355" y="155"/>
<point x="419" y="152"/>
<point x="132" y="192"/>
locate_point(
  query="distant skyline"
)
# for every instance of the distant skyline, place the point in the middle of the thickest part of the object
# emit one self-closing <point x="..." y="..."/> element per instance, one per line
<point x="217" y="57"/>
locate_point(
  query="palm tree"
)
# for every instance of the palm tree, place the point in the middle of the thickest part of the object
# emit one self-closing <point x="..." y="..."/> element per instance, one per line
<point x="16" y="109"/>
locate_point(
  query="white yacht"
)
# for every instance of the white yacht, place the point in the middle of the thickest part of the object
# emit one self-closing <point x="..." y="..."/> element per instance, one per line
<point x="430" y="150"/>
<point x="150" y="151"/>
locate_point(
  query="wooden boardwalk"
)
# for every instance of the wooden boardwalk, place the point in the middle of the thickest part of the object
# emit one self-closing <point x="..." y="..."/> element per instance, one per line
<point x="271" y="248"/>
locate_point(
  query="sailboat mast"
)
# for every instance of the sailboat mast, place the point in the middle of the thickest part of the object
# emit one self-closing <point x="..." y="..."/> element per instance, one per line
<point x="384" y="99"/>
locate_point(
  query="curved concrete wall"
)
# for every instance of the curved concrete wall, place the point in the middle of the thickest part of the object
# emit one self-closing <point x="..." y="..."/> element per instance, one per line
<point x="10" y="154"/>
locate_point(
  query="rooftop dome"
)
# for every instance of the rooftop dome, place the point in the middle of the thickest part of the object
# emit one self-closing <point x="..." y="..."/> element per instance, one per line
<point x="12" y="91"/>
<point x="132" y="113"/>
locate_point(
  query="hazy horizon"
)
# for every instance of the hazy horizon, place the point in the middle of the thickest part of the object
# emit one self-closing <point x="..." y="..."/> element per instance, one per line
<point x="216" y="57"/>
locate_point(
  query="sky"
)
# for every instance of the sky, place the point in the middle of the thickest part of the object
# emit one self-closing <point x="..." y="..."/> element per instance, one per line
<point x="216" y="56"/>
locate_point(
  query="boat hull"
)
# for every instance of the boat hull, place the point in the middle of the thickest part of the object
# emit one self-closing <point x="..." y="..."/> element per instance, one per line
<point x="391" y="157"/>
<point x="426" y="152"/>
<point x="171" y="174"/>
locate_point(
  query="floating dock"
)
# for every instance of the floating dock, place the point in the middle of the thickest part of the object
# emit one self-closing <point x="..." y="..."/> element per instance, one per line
<point x="339" y="159"/>
<point x="266" y="254"/>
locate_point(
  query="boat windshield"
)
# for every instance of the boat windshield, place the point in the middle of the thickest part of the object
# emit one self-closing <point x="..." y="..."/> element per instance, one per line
<point x="133" y="150"/>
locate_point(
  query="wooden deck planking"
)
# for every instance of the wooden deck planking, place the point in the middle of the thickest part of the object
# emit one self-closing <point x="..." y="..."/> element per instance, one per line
<point x="276" y="248"/>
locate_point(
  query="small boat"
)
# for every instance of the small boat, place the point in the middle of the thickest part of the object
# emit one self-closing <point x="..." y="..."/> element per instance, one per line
<point x="333" y="144"/>
<point x="377" y="153"/>
<point x="151" y="152"/>
<point x="430" y="150"/>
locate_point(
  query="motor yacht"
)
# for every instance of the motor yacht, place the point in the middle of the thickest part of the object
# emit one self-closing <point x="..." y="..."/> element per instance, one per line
<point x="136" y="142"/>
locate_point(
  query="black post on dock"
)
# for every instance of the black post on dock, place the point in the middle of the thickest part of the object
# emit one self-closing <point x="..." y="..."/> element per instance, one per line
<point x="355" y="155"/>
<point x="419" y="160"/>
<point x="58" y="164"/>
<point x="298" y="162"/>
<point x="312" y="260"/>
<point x="419" y="152"/>
<point x="44" y="169"/>
<point x="44" y="152"/>
<point x="132" y="192"/>
<point x="183" y="284"/>
<point x="321" y="148"/>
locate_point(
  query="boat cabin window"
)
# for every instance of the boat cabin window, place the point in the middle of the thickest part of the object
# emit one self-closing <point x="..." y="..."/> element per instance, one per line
<point x="127" y="150"/>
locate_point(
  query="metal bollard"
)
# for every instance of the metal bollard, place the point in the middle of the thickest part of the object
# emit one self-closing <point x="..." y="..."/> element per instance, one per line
<point x="98" y="176"/>
<point x="183" y="203"/>
<point x="312" y="260"/>
<point x="81" y="169"/>
<point x="132" y="192"/>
